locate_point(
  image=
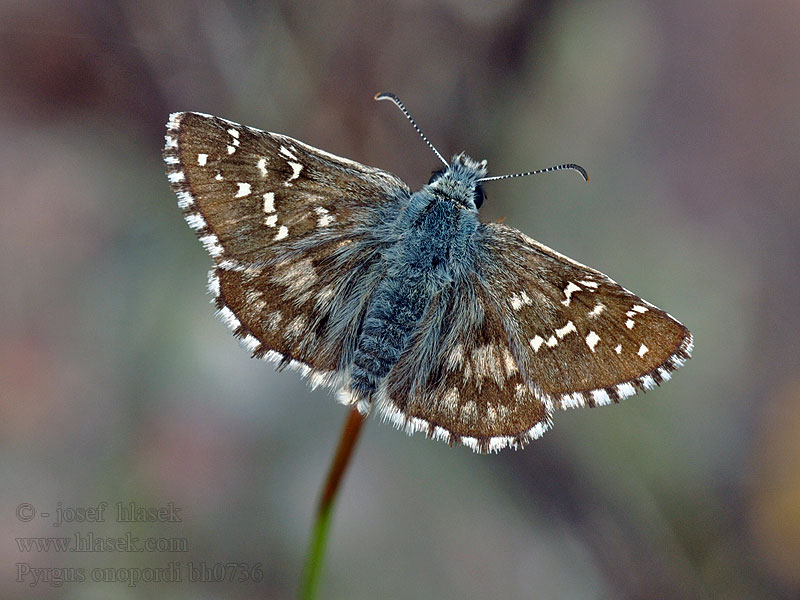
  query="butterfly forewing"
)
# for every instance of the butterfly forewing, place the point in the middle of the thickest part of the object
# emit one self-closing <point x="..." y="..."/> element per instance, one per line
<point x="581" y="338"/>
<point x="251" y="195"/>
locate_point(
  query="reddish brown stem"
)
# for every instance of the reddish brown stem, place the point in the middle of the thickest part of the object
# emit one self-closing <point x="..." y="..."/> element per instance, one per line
<point x="339" y="465"/>
<point x="313" y="571"/>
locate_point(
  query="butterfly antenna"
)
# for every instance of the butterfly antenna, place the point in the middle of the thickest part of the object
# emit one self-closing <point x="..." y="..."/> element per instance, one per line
<point x="401" y="106"/>
<point x="571" y="166"/>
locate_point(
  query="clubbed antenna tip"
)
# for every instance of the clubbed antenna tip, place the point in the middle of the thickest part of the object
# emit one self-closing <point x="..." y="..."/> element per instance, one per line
<point x="571" y="166"/>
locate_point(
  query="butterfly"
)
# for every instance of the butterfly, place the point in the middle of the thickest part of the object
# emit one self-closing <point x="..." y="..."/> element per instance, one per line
<point x="471" y="332"/>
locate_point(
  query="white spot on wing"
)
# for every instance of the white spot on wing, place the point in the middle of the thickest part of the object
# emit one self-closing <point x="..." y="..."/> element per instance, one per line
<point x="253" y="297"/>
<point x="598" y="308"/>
<point x="568" y="291"/>
<point x="456" y="357"/>
<point x="202" y="159"/>
<point x="287" y="153"/>
<point x="274" y="319"/>
<point x="647" y="381"/>
<point x="592" y="339"/>
<point x="486" y="362"/>
<point x="601" y="397"/>
<point x="643" y="350"/>
<point x="176" y="177"/>
<point x="296" y="326"/>
<point x="218" y="176"/>
<point x="575" y="400"/>
<point x="470" y="442"/>
<point x="640" y="309"/>
<point x="244" y="190"/>
<point x="271" y="220"/>
<point x="282" y="233"/>
<point x="269" y="202"/>
<point x="230" y="265"/>
<point x="250" y="342"/>
<point x="491" y="416"/>
<point x="212" y="245"/>
<point x="185" y="199"/>
<point x="196" y="221"/>
<point x="227" y="316"/>
<point x="629" y="323"/>
<point x="537" y="342"/>
<point x="298" y="276"/>
<point x="618" y="349"/>
<point x="233" y="132"/>
<point x="589" y="284"/>
<point x="509" y="362"/>
<point x="450" y="401"/>
<point x="625" y="389"/>
<point x="520" y="300"/>
<point x="324" y="218"/>
<point x="296" y="168"/>
<point x="570" y="326"/>
<point x="213" y="282"/>
<point x="552" y="341"/>
<point x="262" y="166"/>
<point x="231" y="149"/>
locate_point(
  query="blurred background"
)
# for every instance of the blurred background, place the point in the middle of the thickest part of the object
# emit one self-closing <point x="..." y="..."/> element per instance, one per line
<point x="118" y="385"/>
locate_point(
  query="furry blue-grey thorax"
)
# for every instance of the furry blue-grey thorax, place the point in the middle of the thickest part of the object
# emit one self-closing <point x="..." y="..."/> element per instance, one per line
<point x="433" y="245"/>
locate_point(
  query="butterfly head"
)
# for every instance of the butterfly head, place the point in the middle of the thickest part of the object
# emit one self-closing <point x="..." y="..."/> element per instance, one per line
<point x="459" y="181"/>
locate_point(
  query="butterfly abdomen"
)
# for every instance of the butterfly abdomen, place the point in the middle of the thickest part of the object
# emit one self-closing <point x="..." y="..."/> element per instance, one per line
<point x="419" y="267"/>
<point x="392" y="316"/>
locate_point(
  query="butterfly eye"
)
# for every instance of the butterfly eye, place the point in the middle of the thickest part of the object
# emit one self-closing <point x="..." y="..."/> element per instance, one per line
<point x="435" y="175"/>
<point x="479" y="197"/>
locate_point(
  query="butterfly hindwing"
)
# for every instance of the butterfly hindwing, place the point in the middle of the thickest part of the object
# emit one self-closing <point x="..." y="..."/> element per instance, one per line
<point x="299" y="312"/>
<point x="459" y="379"/>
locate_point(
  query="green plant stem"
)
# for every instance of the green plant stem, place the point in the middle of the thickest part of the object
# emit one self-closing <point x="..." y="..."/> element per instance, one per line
<point x="319" y="534"/>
